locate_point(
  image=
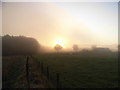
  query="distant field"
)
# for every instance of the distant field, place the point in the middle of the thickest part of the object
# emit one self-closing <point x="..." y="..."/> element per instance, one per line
<point x="78" y="71"/>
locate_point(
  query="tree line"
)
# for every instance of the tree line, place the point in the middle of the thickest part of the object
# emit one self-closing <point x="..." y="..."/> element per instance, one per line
<point x="19" y="45"/>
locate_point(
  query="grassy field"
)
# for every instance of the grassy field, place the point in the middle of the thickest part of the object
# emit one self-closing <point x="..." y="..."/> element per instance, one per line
<point x="14" y="73"/>
<point x="80" y="70"/>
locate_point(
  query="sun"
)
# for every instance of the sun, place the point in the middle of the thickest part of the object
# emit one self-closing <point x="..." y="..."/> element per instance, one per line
<point x="59" y="41"/>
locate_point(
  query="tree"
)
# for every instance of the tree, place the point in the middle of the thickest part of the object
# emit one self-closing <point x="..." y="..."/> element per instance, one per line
<point x="75" y="47"/>
<point x="19" y="45"/>
<point x="58" y="47"/>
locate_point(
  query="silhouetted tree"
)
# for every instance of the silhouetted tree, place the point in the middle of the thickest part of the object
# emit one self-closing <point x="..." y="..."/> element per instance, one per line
<point x="75" y="47"/>
<point x="58" y="47"/>
<point x="19" y="45"/>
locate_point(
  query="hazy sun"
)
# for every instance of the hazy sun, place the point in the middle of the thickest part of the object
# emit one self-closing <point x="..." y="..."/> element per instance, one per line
<point x="59" y="41"/>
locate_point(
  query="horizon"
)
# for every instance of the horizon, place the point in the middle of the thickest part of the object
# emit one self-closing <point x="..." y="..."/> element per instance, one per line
<point x="70" y="49"/>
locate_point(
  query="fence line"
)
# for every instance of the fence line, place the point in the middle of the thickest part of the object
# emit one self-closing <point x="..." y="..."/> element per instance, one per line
<point x="42" y="67"/>
<point x="58" y="80"/>
<point x="48" y="73"/>
<point x="57" y="75"/>
<point x="27" y="72"/>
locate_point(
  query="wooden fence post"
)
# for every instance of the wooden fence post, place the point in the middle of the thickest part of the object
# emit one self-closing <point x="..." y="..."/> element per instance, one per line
<point x="58" y="78"/>
<point x="39" y="64"/>
<point x="42" y="67"/>
<point x="27" y="72"/>
<point x="48" y="73"/>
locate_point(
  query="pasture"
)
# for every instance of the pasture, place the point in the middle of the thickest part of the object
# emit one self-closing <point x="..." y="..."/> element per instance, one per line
<point x="14" y="73"/>
<point x="82" y="70"/>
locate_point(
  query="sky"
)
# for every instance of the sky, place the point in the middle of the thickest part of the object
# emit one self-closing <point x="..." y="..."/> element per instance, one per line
<point x="0" y="18"/>
<point x="68" y="23"/>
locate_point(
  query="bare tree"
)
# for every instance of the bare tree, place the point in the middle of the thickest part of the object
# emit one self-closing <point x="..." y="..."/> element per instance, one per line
<point x="58" y="47"/>
<point x="75" y="47"/>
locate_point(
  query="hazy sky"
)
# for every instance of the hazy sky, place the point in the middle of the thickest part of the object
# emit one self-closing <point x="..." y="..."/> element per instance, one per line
<point x="75" y="23"/>
<point x="0" y="18"/>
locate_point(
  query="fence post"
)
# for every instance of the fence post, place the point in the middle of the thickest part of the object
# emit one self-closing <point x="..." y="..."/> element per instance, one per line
<point x="42" y="67"/>
<point x="58" y="80"/>
<point x="27" y="72"/>
<point x="39" y="64"/>
<point x="48" y="73"/>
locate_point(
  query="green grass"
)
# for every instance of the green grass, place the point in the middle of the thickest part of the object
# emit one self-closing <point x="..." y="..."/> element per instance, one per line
<point x="78" y="71"/>
<point x="13" y="74"/>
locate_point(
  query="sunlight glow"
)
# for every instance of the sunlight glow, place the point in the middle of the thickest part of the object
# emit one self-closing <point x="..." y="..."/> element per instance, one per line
<point x="59" y="41"/>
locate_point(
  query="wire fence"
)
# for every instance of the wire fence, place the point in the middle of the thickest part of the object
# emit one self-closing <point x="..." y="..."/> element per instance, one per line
<point x="53" y="77"/>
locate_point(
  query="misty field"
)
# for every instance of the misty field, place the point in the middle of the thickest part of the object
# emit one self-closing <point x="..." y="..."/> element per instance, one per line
<point x="76" y="70"/>
<point x="82" y="70"/>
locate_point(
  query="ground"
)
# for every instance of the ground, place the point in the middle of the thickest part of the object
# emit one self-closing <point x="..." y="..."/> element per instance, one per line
<point x="14" y="73"/>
